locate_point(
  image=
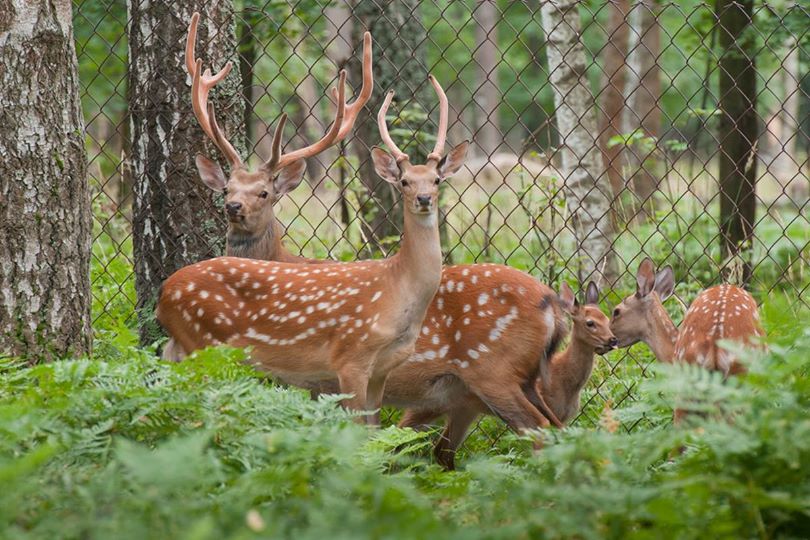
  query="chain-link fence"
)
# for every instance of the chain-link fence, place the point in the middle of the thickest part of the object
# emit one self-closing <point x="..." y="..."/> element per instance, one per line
<point x="692" y="130"/>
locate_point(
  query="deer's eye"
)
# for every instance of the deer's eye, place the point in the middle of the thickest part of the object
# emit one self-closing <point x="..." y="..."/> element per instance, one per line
<point x="437" y="181"/>
<point x="590" y="324"/>
<point x="263" y="194"/>
<point x="616" y="313"/>
<point x="224" y="191"/>
<point x="404" y="183"/>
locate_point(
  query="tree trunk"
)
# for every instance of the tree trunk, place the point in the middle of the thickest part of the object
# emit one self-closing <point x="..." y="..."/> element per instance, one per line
<point x="487" y="95"/>
<point x="248" y="48"/>
<point x="642" y="93"/>
<point x="737" y="131"/>
<point x="45" y="220"/>
<point x="613" y="85"/>
<point x="176" y="219"/>
<point x="588" y="190"/>
<point x="398" y="66"/>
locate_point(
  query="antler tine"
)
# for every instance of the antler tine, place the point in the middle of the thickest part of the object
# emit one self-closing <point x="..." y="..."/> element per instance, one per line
<point x="221" y="142"/>
<point x="352" y="110"/>
<point x="441" y="135"/>
<point x="275" y="152"/>
<point x="202" y="83"/>
<point x="399" y="155"/>
<point x="330" y="137"/>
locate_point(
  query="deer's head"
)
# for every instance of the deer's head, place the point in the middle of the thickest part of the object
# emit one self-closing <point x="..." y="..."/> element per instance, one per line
<point x="419" y="184"/>
<point x="633" y="318"/>
<point x="590" y="325"/>
<point x="250" y="195"/>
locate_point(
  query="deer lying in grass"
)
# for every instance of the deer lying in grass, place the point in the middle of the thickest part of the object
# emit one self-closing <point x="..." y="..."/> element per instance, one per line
<point x="721" y="312"/>
<point x="310" y="322"/>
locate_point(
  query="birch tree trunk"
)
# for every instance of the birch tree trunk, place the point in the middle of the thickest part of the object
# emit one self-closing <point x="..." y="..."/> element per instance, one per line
<point x="45" y="221"/>
<point x="642" y="113"/>
<point x="587" y="187"/>
<point x="176" y="219"/>
<point x="487" y="95"/>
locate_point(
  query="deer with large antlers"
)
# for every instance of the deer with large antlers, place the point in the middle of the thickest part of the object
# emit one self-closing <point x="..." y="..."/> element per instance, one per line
<point x="309" y="322"/>
<point x="723" y="312"/>
<point x="253" y="230"/>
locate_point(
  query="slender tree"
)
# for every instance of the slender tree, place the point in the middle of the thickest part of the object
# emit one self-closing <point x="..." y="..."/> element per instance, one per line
<point x="45" y="221"/>
<point x="487" y="95"/>
<point x="398" y="66"/>
<point x="737" y="129"/>
<point x="614" y="76"/>
<point x="176" y="219"/>
<point x="642" y="113"/>
<point x="586" y="184"/>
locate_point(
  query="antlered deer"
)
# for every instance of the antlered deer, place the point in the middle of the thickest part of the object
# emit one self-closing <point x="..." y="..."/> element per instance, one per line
<point x="721" y="312"/>
<point x="309" y="322"/>
<point x="253" y="231"/>
<point x="499" y="375"/>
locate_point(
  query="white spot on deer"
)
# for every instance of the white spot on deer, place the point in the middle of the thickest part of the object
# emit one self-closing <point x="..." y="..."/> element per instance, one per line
<point x="483" y="348"/>
<point x="472" y="353"/>
<point x="376" y="296"/>
<point x="451" y="285"/>
<point x="474" y="279"/>
<point x="483" y="298"/>
<point x="465" y="272"/>
<point x="440" y="303"/>
<point x="425" y="330"/>
<point x="358" y="323"/>
<point x="344" y="319"/>
<point x="460" y="286"/>
<point x="186" y="316"/>
<point x="467" y="308"/>
<point x="435" y="339"/>
<point x="466" y="321"/>
<point x="448" y="322"/>
<point x="200" y="312"/>
<point x="487" y="273"/>
<point x="177" y="294"/>
<point x="190" y="287"/>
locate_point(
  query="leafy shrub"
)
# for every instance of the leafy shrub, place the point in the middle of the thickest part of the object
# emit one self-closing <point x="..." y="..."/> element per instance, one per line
<point x="126" y="446"/>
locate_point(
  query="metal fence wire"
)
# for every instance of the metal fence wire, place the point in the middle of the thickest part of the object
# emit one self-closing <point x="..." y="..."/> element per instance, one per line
<point x="683" y="101"/>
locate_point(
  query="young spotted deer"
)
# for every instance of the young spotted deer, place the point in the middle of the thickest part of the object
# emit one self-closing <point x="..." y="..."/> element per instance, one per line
<point x="310" y="322"/>
<point x="722" y="312"/>
<point x="500" y="376"/>
<point x="253" y="230"/>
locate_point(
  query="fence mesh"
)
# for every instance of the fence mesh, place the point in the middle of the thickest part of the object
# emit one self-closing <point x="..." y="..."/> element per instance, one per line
<point x="654" y="71"/>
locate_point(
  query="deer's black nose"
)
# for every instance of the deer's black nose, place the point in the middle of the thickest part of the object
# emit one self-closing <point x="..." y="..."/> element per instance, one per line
<point x="423" y="200"/>
<point x="233" y="207"/>
<point x="614" y="342"/>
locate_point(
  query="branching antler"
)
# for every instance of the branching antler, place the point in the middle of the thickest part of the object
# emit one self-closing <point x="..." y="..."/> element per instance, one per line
<point x="441" y="135"/>
<point x="202" y="83"/>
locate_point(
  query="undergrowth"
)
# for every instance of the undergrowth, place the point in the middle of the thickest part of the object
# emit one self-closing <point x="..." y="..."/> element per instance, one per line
<point x="126" y="446"/>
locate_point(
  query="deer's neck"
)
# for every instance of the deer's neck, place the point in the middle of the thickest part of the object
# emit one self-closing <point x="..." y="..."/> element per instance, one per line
<point x="418" y="264"/>
<point x="664" y="334"/>
<point x="569" y="372"/>
<point x="264" y="246"/>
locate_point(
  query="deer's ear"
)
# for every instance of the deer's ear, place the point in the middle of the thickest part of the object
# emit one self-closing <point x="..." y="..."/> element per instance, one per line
<point x="210" y="173"/>
<point x="289" y="177"/>
<point x="567" y="299"/>
<point x="453" y="160"/>
<point x="385" y="165"/>
<point x="645" y="278"/>
<point x="592" y="293"/>
<point x="665" y="283"/>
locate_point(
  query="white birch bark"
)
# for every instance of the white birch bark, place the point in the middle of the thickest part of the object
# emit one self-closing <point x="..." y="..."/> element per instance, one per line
<point x="45" y="216"/>
<point x="587" y="187"/>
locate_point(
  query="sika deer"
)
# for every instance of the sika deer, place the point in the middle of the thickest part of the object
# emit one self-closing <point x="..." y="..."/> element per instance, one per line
<point x="720" y="312"/>
<point x="503" y="379"/>
<point x="308" y="322"/>
<point x="253" y="231"/>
